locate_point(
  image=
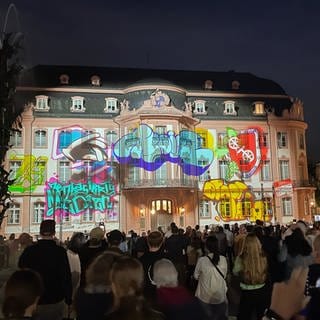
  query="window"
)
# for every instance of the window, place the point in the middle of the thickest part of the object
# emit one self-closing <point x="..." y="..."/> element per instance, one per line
<point x="286" y="206"/>
<point x="42" y="103"/>
<point x="64" y="79"/>
<point x="14" y="169"/>
<point x="204" y="209"/>
<point x="38" y="212"/>
<point x="225" y="208"/>
<point x="229" y="108"/>
<point x="14" y="214"/>
<point x="258" y="108"/>
<point x="134" y="175"/>
<point x="96" y="81"/>
<point x="111" y="137"/>
<point x="208" y="85"/>
<point x="223" y="168"/>
<point x="265" y="140"/>
<point x="64" y="171"/>
<point x="199" y="107"/>
<point x="161" y="129"/>
<point x="235" y="85"/>
<point x="77" y="104"/>
<point x="246" y="207"/>
<point x="39" y="172"/>
<point x="282" y="139"/>
<point x="301" y="141"/>
<point x="265" y="170"/>
<point x="222" y="140"/>
<point x="16" y="139"/>
<point x="87" y="216"/>
<point x="206" y="175"/>
<point x="202" y="139"/>
<point x="161" y="206"/>
<point x="40" y="138"/>
<point x="284" y="169"/>
<point x="160" y="175"/>
<point x="111" y="105"/>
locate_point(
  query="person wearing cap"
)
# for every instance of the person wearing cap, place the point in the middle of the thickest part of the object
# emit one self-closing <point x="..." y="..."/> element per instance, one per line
<point x="114" y="239"/>
<point x="91" y="249"/>
<point x="51" y="262"/>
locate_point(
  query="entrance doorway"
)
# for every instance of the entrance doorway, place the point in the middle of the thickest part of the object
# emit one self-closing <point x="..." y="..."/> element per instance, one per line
<point x="161" y="213"/>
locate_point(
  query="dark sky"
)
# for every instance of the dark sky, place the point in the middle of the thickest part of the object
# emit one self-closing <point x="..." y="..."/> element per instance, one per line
<point x="279" y="40"/>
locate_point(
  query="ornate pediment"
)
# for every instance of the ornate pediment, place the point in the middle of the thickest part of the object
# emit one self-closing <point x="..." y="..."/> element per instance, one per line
<point x="159" y="99"/>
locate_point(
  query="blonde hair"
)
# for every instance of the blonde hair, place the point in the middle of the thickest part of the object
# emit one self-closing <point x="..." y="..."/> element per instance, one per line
<point x="165" y="274"/>
<point x="127" y="277"/>
<point x="254" y="261"/>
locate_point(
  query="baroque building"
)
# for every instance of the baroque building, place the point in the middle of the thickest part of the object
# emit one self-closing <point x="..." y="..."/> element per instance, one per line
<point x="138" y="149"/>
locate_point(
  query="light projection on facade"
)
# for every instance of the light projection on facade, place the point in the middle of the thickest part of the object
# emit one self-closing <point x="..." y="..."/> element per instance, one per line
<point x="235" y="201"/>
<point x="149" y="150"/>
<point x="243" y="150"/>
<point x="29" y="172"/>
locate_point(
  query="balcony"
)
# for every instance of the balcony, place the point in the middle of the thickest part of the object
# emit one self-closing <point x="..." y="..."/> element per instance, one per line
<point x="160" y="183"/>
<point x="302" y="183"/>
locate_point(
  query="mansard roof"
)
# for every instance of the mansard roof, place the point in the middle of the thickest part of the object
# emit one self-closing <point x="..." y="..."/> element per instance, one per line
<point x="121" y="78"/>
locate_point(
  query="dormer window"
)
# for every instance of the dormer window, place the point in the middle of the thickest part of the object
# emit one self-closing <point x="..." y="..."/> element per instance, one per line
<point x="111" y="105"/>
<point x="64" y="79"/>
<point x="199" y="107"/>
<point x="229" y="108"/>
<point x="259" y="108"/>
<point x="235" y="85"/>
<point x="77" y="104"/>
<point x="208" y="85"/>
<point x="42" y="103"/>
<point x="95" y="81"/>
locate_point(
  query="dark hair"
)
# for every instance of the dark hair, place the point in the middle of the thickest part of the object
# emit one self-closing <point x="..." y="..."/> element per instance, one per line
<point x="212" y="244"/>
<point x="76" y="242"/>
<point x="48" y="227"/>
<point x="297" y="244"/>
<point x="21" y="291"/>
<point x="155" y="239"/>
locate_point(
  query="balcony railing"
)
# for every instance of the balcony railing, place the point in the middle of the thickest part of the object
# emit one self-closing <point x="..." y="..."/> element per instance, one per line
<point x="162" y="183"/>
<point x="302" y="183"/>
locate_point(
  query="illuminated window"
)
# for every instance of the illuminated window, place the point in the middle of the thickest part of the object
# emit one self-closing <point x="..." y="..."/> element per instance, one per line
<point x="111" y="105"/>
<point x="282" y="139"/>
<point x="229" y="108"/>
<point x="265" y="140"/>
<point x="64" y="174"/>
<point x="199" y="107"/>
<point x="160" y="175"/>
<point x="39" y="172"/>
<point x="222" y="140"/>
<point x="206" y="175"/>
<point x="64" y="79"/>
<point x="161" y="206"/>
<point x="87" y="216"/>
<point x="284" y="169"/>
<point x="204" y="209"/>
<point x="202" y="139"/>
<point x="38" y="212"/>
<point x="16" y="139"/>
<point x="134" y="175"/>
<point x="161" y="129"/>
<point x="246" y="208"/>
<point x="77" y="104"/>
<point x="96" y="81"/>
<point x="14" y="167"/>
<point x="40" y="138"/>
<point x="14" y="214"/>
<point x="259" y="108"/>
<point x="223" y="169"/>
<point x="286" y="206"/>
<point x="42" y="103"/>
<point x="265" y="170"/>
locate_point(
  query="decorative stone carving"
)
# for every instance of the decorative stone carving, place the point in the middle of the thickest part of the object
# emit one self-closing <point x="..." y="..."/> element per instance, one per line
<point x="188" y="107"/>
<point x="124" y="106"/>
<point x="297" y="109"/>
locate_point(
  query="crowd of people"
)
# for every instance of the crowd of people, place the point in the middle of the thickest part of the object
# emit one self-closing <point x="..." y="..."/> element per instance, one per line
<point x="263" y="272"/>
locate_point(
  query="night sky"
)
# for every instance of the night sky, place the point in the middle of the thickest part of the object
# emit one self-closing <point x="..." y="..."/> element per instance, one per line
<point x="279" y="40"/>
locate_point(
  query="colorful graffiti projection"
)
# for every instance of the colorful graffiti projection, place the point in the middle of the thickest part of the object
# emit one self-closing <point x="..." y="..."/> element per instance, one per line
<point x="235" y="201"/>
<point x="149" y="150"/>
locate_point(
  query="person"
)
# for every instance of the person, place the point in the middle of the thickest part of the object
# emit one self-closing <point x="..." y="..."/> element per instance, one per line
<point x="4" y="253"/>
<point x="91" y="249"/>
<point x="211" y="271"/>
<point x="155" y="253"/>
<point x="239" y="239"/>
<point x="95" y="299"/>
<point x="172" y="298"/>
<point x="127" y="285"/>
<point x="51" y="262"/>
<point x="21" y="294"/>
<point x="222" y="240"/>
<point x="114" y="239"/>
<point x="251" y="267"/>
<point x="141" y="245"/>
<point x="230" y="239"/>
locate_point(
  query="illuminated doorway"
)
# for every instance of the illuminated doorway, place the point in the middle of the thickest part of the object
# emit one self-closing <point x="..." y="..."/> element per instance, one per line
<point x="161" y="214"/>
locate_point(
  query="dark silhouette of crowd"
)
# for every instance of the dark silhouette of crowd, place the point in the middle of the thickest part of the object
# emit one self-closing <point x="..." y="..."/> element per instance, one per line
<point x="250" y="271"/>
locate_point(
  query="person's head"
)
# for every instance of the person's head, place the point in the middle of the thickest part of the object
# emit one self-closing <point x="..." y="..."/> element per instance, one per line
<point x="212" y="245"/>
<point x="172" y="224"/>
<point x="25" y="239"/>
<point x="254" y="262"/>
<point x="220" y="229"/>
<point x="127" y="277"/>
<point x="12" y="236"/>
<point x="165" y="274"/>
<point x="98" y="272"/>
<point x="227" y="227"/>
<point x="197" y="227"/>
<point x="297" y="244"/>
<point x="21" y="294"/>
<point x="175" y="230"/>
<point x="76" y="241"/>
<point x="114" y="238"/>
<point x="47" y="228"/>
<point x="155" y="240"/>
<point x="96" y="236"/>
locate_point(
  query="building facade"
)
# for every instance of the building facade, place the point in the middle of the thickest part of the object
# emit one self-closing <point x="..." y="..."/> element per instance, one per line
<point x="138" y="149"/>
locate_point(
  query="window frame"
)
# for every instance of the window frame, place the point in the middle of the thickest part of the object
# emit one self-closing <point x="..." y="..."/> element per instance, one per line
<point x="282" y="140"/>
<point x="284" y="169"/>
<point x="199" y="107"/>
<point x="286" y="203"/>
<point x="37" y="217"/>
<point x="204" y="209"/>
<point x="109" y="108"/>
<point x="42" y="103"/>
<point x="77" y="104"/>
<point x="14" y="214"/>
<point x="16" y="139"/>
<point x="39" y="141"/>
<point x="229" y="108"/>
